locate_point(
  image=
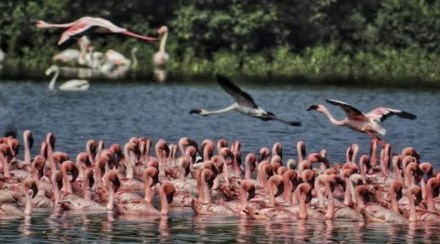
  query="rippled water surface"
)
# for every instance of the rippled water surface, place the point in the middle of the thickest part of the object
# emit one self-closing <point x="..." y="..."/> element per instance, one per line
<point x="116" y="112"/>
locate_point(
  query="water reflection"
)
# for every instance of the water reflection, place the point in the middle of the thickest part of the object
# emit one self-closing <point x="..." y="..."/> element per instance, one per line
<point x="106" y="228"/>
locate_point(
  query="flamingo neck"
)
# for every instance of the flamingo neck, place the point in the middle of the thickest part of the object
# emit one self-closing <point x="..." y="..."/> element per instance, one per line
<point x="163" y="42"/>
<point x="5" y="164"/>
<point x="330" y="202"/>
<point x="129" y="164"/>
<point x="223" y="110"/>
<point x="396" y="169"/>
<point x="262" y="177"/>
<point x="385" y="162"/>
<point x="331" y="118"/>
<point x="288" y="188"/>
<point x="302" y="205"/>
<point x="90" y="154"/>
<point x="164" y="205"/>
<point x="27" y="152"/>
<point x="80" y="171"/>
<point x="86" y="189"/>
<point x="55" y="190"/>
<point x="243" y="198"/>
<point x="409" y="177"/>
<point x="203" y="188"/>
<point x="111" y="197"/>
<point x="147" y="189"/>
<point x="134" y="60"/>
<point x="54" y="79"/>
<point x="349" y="194"/>
<point x="301" y="150"/>
<point x="394" y="204"/>
<point x="28" y="206"/>
<point x="412" y="208"/>
<point x="45" y="25"/>
<point x="207" y="152"/>
<point x="130" y="167"/>
<point x="429" y="198"/>
<point x="373" y="153"/>
<point x="236" y="167"/>
<point x="67" y="187"/>
<point x="320" y="179"/>
<point x="247" y="170"/>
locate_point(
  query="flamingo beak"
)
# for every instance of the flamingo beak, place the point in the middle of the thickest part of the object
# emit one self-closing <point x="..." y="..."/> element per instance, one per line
<point x="312" y="107"/>
<point x="170" y="198"/>
<point x="251" y="194"/>
<point x="195" y="111"/>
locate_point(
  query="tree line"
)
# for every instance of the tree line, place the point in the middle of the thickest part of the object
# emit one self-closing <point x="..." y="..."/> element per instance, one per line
<point x="314" y="39"/>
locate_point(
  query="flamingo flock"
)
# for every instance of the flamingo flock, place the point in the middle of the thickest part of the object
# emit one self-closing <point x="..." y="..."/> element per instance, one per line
<point x="217" y="178"/>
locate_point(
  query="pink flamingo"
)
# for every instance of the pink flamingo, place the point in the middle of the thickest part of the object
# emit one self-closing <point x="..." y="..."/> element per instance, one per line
<point x="356" y="120"/>
<point x="414" y="195"/>
<point x="207" y="149"/>
<point x="249" y="165"/>
<point x="303" y="192"/>
<point x="29" y="188"/>
<point x="87" y="24"/>
<point x="166" y="193"/>
<point x="374" y="212"/>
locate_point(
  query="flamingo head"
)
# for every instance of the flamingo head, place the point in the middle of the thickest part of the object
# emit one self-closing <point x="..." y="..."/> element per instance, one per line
<point x="162" y="30"/>
<point x="317" y="107"/>
<point x="40" y="23"/>
<point x="30" y="184"/>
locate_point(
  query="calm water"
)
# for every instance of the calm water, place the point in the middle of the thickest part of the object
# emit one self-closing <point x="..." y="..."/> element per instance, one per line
<point x="115" y="112"/>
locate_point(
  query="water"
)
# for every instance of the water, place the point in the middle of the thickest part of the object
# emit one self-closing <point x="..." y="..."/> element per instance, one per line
<point x="116" y="112"/>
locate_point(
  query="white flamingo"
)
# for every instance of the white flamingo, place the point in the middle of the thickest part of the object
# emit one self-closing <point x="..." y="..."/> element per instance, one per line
<point x="70" y="85"/>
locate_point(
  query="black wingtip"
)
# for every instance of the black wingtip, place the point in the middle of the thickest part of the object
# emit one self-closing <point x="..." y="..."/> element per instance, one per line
<point x="407" y="115"/>
<point x="295" y="123"/>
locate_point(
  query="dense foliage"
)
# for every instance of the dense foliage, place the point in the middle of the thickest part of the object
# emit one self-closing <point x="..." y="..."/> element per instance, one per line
<point x="314" y="39"/>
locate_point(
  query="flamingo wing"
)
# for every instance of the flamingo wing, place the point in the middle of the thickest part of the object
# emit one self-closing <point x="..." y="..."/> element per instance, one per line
<point x="381" y="114"/>
<point x="350" y="111"/>
<point x="77" y="29"/>
<point x="239" y="95"/>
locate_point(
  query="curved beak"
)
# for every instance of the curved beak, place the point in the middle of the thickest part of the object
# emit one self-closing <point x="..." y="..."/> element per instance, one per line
<point x="312" y="107"/>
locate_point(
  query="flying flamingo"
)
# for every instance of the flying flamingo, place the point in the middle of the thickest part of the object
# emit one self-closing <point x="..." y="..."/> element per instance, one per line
<point x="87" y="24"/>
<point x="244" y="104"/>
<point x="356" y="120"/>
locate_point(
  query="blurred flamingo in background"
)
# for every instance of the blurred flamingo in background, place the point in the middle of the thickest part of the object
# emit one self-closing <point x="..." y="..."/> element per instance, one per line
<point x="88" y="24"/>
<point x="161" y="57"/>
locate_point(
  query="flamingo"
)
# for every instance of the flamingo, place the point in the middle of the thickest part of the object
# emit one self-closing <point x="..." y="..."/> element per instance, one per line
<point x="67" y="56"/>
<point x="244" y="104"/>
<point x="161" y="57"/>
<point x="71" y="85"/>
<point x="88" y="24"/>
<point x="358" y="121"/>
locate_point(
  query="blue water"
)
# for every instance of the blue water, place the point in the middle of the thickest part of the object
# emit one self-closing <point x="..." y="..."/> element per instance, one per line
<point x="116" y="112"/>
